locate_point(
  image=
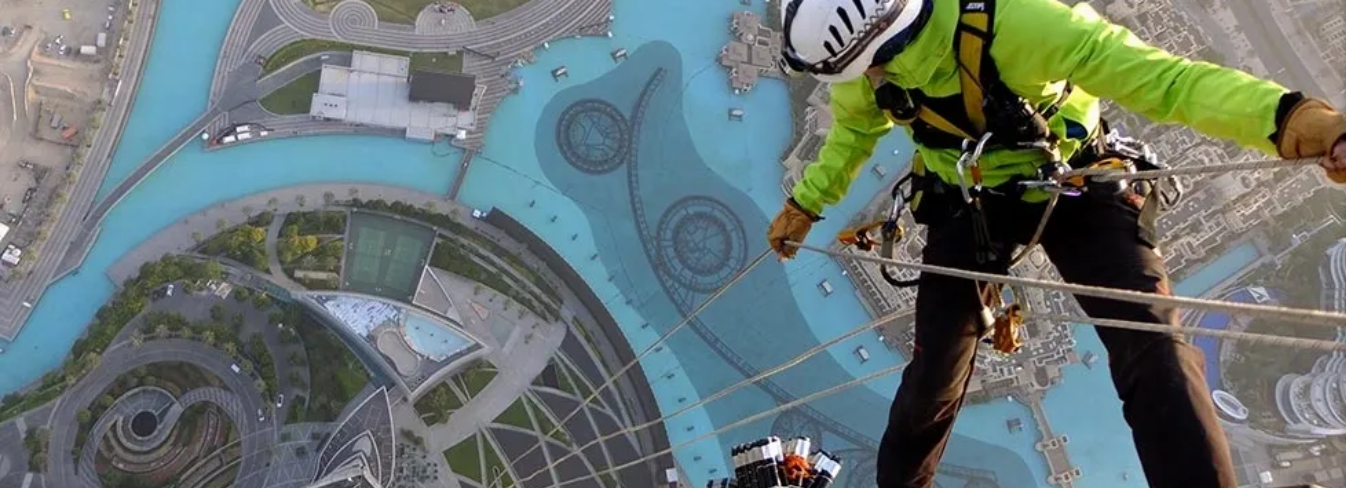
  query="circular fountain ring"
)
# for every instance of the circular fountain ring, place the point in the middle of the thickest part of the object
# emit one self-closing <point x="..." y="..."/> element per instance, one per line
<point x="593" y="136"/>
<point x="701" y="243"/>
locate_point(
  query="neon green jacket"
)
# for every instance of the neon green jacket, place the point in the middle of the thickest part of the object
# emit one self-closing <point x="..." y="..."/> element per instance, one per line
<point x="1039" y="44"/>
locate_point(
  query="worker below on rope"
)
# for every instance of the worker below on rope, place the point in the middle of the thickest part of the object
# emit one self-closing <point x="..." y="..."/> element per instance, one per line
<point x="998" y="96"/>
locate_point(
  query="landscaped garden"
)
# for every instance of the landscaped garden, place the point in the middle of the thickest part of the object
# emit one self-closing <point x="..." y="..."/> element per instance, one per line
<point x="335" y="378"/>
<point x="244" y="243"/>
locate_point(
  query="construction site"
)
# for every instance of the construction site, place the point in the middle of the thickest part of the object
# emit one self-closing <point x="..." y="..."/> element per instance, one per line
<point x="54" y="79"/>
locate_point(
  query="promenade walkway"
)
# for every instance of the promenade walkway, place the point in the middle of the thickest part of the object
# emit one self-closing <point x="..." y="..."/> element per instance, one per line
<point x="69" y="224"/>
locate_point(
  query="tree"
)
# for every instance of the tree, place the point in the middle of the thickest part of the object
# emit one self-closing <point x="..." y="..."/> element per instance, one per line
<point x="221" y="224"/>
<point x="296" y="359"/>
<point x="247" y="210"/>
<point x="161" y="330"/>
<point x="83" y="416"/>
<point x="196" y="236"/>
<point x="105" y="400"/>
<point x="246" y="366"/>
<point x="230" y="348"/>
<point x="208" y="337"/>
<point x="260" y="301"/>
<point x="430" y="205"/>
<point x="328" y="197"/>
<point x="353" y="192"/>
<point x="236" y="321"/>
<point x="137" y="340"/>
<point x="272" y="202"/>
<point x="216" y="312"/>
<point x="299" y="200"/>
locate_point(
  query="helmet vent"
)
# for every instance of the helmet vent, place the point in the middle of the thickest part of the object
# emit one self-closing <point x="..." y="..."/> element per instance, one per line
<point x="846" y="19"/>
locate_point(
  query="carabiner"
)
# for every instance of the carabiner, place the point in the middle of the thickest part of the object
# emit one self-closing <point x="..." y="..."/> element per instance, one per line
<point x="970" y="160"/>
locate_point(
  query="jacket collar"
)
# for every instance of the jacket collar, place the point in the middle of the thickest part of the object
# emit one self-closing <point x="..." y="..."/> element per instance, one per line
<point x="931" y="51"/>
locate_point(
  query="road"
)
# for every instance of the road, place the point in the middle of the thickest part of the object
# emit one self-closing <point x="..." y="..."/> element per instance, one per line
<point x="255" y="435"/>
<point x="13" y="314"/>
<point x="1272" y="46"/>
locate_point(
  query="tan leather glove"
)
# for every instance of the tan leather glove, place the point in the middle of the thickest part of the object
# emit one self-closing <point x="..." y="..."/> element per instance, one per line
<point x="1310" y="130"/>
<point x="791" y="224"/>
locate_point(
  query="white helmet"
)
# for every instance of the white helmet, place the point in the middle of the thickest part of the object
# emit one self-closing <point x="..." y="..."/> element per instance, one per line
<point x="837" y="40"/>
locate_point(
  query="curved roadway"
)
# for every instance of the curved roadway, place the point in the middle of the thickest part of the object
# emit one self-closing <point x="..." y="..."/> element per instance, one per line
<point x="255" y="436"/>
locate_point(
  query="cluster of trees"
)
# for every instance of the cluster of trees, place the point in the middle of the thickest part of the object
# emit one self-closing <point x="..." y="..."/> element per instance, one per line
<point x="342" y="375"/>
<point x="36" y="445"/>
<point x="260" y="300"/>
<point x="244" y="243"/>
<point x="317" y="222"/>
<point x="266" y="367"/>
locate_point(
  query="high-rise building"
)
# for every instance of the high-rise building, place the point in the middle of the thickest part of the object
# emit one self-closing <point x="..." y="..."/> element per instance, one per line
<point x="1314" y="404"/>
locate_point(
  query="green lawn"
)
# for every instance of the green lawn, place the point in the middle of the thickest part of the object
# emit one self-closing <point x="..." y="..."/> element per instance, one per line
<point x="294" y="51"/>
<point x="516" y="415"/>
<point x="293" y="98"/>
<point x="464" y="459"/>
<point x="493" y="466"/>
<point x="438" y="404"/>
<point x="475" y="380"/>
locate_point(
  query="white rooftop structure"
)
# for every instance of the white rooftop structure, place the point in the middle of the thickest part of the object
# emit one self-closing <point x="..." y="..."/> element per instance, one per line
<point x="374" y="91"/>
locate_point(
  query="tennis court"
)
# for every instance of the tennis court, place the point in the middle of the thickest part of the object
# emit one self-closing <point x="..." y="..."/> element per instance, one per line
<point x="385" y="255"/>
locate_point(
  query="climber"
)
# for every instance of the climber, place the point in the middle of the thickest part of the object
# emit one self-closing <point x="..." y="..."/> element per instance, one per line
<point x="999" y="96"/>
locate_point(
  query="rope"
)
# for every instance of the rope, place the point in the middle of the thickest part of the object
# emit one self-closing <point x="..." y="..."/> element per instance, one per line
<point x="1104" y="174"/>
<point x="686" y="319"/>
<point x="1303" y="316"/>
<point x="795" y="361"/>
<point x="731" y="426"/>
<point x="1251" y="337"/>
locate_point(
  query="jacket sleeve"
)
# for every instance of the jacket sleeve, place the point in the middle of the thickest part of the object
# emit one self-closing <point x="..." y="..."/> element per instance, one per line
<point x="857" y="126"/>
<point x="1045" y="41"/>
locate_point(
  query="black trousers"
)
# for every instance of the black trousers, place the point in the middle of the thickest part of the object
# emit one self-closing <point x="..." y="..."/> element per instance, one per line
<point x="1093" y="240"/>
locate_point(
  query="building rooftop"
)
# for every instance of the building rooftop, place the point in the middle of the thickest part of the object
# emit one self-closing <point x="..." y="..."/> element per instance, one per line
<point x="450" y="88"/>
<point x="376" y="91"/>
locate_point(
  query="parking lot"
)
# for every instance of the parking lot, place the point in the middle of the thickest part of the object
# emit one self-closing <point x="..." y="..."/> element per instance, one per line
<point x="49" y="88"/>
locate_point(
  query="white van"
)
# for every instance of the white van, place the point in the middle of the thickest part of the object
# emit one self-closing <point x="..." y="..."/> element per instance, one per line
<point x="234" y="368"/>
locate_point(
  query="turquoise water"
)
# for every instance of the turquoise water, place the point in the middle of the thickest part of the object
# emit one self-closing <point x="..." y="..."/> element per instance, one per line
<point x="187" y="183"/>
<point x="1085" y="407"/>
<point x="433" y="340"/>
<point x="175" y="85"/>
<point x="745" y="153"/>
<point x="1226" y="265"/>
<point x="508" y="176"/>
